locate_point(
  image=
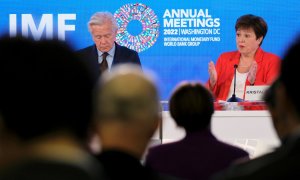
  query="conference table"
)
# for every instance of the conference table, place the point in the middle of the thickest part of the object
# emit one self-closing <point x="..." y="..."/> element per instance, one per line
<point x="246" y="125"/>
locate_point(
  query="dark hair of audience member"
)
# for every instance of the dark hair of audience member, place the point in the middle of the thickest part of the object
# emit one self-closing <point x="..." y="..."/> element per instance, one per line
<point x="269" y="96"/>
<point x="44" y="88"/>
<point x="289" y="73"/>
<point x="191" y="106"/>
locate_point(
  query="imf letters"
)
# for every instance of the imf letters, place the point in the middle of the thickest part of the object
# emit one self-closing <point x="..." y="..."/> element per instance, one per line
<point x="41" y="27"/>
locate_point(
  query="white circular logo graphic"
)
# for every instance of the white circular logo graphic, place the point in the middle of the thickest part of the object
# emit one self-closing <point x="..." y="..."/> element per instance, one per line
<point x="149" y="24"/>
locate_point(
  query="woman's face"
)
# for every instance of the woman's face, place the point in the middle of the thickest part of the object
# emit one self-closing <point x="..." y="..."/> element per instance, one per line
<point x="246" y="41"/>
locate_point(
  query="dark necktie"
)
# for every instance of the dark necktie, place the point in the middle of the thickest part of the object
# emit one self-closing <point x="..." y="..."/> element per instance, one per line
<point x="103" y="64"/>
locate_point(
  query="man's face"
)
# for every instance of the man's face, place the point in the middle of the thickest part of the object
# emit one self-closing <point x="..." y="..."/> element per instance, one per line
<point x="103" y="36"/>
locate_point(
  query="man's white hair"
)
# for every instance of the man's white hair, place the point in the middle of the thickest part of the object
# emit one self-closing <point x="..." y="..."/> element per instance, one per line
<point x="127" y="68"/>
<point x="112" y="105"/>
<point x="100" y="18"/>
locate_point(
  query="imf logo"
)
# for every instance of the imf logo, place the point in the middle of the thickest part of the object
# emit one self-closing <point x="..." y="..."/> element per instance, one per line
<point x="46" y="27"/>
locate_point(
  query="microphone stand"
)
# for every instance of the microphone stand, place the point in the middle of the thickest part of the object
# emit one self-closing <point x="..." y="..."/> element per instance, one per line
<point x="233" y="97"/>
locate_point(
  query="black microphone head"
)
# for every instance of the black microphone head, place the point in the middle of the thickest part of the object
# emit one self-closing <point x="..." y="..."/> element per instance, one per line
<point x="235" y="66"/>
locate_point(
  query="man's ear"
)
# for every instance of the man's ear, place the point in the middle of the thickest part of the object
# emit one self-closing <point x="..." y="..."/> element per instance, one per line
<point x="115" y="34"/>
<point x="284" y="104"/>
<point x="159" y="120"/>
<point x="281" y="98"/>
<point x="156" y="123"/>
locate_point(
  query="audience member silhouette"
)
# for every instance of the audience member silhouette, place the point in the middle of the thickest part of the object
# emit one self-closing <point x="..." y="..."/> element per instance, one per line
<point x="46" y="103"/>
<point x="200" y="154"/>
<point x="128" y="113"/>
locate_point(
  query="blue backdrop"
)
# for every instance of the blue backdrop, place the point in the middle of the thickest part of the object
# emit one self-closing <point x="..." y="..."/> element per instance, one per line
<point x="177" y="38"/>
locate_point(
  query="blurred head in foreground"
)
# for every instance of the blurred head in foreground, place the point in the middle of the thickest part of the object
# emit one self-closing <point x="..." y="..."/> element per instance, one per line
<point x="287" y="93"/>
<point x="44" y="89"/>
<point x="191" y="106"/>
<point x="45" y="98"/>
<point x="128" y="109"/>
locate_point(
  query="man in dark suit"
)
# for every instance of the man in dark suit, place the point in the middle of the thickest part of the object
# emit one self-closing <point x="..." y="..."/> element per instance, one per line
<point x="283" y="101"/>
<point x="103" y="29"/>
<point x="126" y="119"/>
<point x="45" y="112"/>
<point x="200" y="154"/>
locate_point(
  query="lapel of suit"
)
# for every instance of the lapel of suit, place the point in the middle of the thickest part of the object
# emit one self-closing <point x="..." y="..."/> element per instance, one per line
<point x="117" y="55"/>
<point x="94" y="54"/>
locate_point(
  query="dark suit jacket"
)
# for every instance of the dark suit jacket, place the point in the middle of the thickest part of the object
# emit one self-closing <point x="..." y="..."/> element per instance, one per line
<point x="197" y="156"/>
<point x="283" y="163"/>
<point x="120" y="165"/>
<point x="122" y="55"/>
<point x="42" y="169"/>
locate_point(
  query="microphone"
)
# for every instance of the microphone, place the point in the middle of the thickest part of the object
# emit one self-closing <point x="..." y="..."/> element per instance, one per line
<point x="233" y="97"/>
